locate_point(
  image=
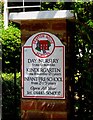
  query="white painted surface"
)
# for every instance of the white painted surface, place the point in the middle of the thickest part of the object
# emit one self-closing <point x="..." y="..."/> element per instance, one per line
<point x="5" y="14"/>
<point x="41" y="15"/>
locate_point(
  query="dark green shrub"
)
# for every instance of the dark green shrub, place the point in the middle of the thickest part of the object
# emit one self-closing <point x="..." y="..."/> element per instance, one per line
<point x="10" y="97"/>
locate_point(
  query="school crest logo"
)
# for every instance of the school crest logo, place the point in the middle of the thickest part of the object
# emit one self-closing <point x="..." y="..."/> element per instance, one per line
<point x="43" y="45"/>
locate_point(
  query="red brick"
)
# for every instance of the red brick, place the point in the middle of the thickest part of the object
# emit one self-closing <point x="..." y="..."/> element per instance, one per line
<point x="59" y="26"/>
<point x="23" y="113"/>
<point x="38" y="26"/>
<point x="51" y="106"/>
<point x="59" y="116"/>
<point x="35" y="116"/>
<point x="28" y="105"/>
<point x="35" y="26"/>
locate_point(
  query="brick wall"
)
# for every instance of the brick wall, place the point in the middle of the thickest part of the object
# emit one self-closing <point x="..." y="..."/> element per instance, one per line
<point x="43" y="109"/>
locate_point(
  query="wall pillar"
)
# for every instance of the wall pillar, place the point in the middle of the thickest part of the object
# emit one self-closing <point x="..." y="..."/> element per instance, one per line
<point x="46" y="109"/>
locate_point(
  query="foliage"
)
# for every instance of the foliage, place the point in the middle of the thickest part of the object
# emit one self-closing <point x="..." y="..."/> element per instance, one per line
<point x="0" y="42"/>
<point x="10" y="76"/>
<point x="82" y="82"/>
<point x="1" y="26"/>
<point x="8" y="96"/>
<point x="83" y="57"/>
<point x="1" y="7"/>
<point x="11" y="47"/>
<point x="52" y="5"/>
<point x="11" y="52"/>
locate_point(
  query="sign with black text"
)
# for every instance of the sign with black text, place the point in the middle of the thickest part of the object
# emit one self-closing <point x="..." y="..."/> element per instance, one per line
<point x="43" y="67"/>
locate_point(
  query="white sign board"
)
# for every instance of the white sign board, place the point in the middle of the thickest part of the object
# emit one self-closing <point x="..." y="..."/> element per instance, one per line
<point x="43" y="67"/>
